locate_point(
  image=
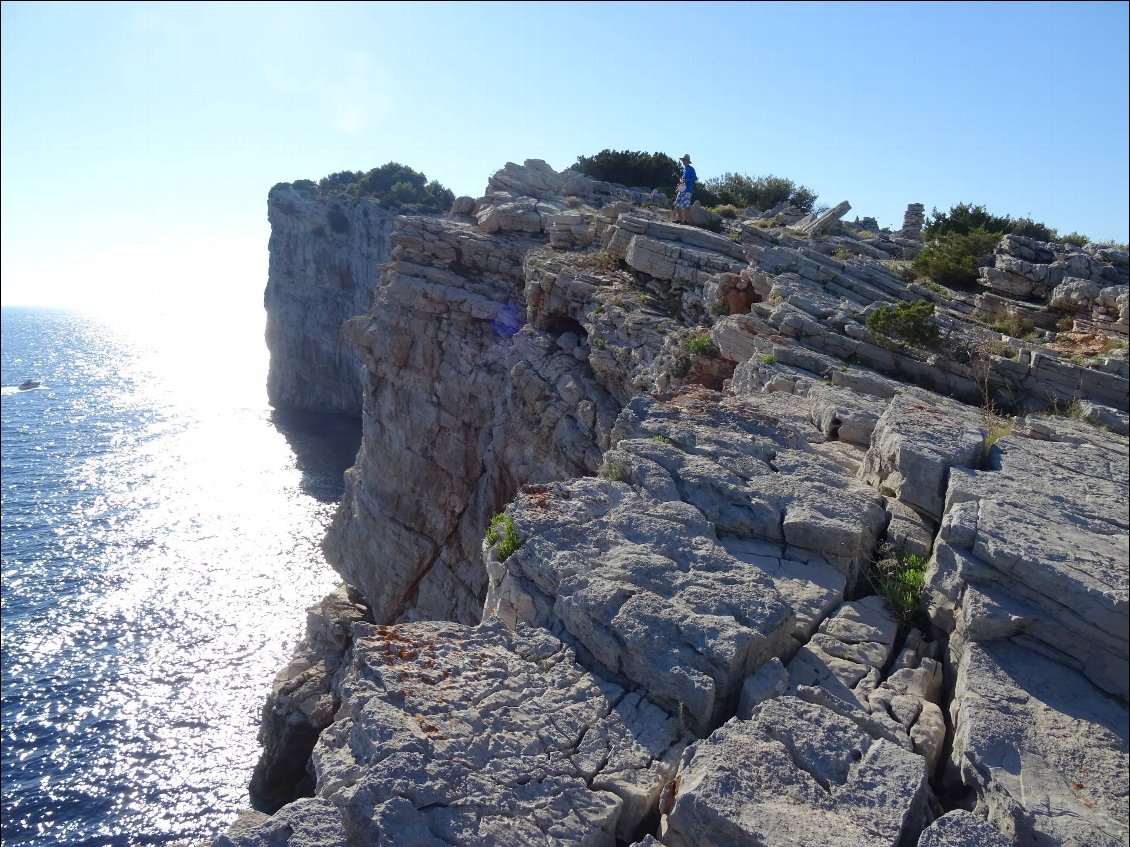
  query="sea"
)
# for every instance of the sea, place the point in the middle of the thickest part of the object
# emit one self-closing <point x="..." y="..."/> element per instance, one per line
<point x="161" y="530"/>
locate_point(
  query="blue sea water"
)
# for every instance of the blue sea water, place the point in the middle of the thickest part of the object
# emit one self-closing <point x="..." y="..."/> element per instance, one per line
<point x="160" y="532"/>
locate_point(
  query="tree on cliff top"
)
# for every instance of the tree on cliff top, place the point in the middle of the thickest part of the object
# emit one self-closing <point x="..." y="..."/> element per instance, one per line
<point x="761" y="193"/>
<point x="960" y="241"/>
<point x="658" y="171"/>
<point x="634" y="169"/>
<point x="392" y="185"/>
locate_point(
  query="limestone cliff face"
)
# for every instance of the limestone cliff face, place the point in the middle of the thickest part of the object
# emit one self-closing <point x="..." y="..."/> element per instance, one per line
<point x="325" y="258"/>
<point x="710" y="465"/>
<point x="478" y="381"/>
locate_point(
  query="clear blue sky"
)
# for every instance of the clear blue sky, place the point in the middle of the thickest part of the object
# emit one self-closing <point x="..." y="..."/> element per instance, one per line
<point x="140" y="140"/>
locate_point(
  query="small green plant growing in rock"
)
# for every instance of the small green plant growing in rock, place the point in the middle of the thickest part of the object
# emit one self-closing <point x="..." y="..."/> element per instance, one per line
<point x="718" y="310"/>
<point x="727" y="210"/>
<point x="599" y="343"/>
<point x="843" y="254"/>
<point x="1073" y="409"/>
<point x="768" y="359"/>
<point x="900" y="580"/>
<point x="662" y="439"/>
<point x="502" y="532"/>
<point x="940" y="290"/>
<point x="1003" y="349"/>
<point x="1014" y="325"/>
<point x="702" y="345"/>
<point x="613" y="471"/>
<point x="995" y="429"/>
<point x="909" y="322"/>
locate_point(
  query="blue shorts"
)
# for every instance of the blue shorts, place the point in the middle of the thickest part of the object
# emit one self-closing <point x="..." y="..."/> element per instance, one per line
<point x="683" y="197"/>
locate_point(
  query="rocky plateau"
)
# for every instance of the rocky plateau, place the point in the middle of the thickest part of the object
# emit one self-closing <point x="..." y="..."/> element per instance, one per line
<point x="612" y="549"/>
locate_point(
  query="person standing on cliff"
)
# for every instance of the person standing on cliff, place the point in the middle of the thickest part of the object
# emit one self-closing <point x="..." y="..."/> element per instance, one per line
<point x="684" y="190"/>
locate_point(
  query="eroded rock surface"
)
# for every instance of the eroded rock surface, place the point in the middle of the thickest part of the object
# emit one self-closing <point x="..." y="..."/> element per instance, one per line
<point x="795" y="773"/>
<point x="696" y="500"/>
<point x="458" y="735"/>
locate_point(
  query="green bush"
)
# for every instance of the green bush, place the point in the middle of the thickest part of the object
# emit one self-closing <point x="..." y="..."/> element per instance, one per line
<point x="1009" y="323"/>
<point x="965" y="219"/>
<point x="502" y="529"/>
<point x="701" y="345"/>
<point x="634" y="169"/>
<point x="901" y="582"/>
<point x="392" y="185"/>
<point x="1003" y="349"/>
<point x="953" y="258"/>
<point x="763" y="192"/>
<point x="909" y="322"/>
<point x="1033" y="229"/>
<point x="726" y="210"/>
<point x="613" y="471"/>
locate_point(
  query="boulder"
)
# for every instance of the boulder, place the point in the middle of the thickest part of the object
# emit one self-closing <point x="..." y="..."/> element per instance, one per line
<point x="463" y="735"/>
<point x="795" y="773"/>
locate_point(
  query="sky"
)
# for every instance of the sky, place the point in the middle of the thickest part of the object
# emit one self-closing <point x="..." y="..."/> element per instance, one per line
<point x="140" y="140"/>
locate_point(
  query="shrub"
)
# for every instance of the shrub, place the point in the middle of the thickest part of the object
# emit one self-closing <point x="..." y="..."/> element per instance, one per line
<point x="963" y="219"/>
<point x="953" y="258"/>
<point x="662" y="439"/>
<point x="1003" y="349"/>
<point x="727" y="210"/>
<point x="634" y="169"/>
<point x="1013" y="325"/>
<point x="1073" y="409"/>
<point x="909" y="322"/>
<point x="392" y="185"/>
<point x="1033" y="229"/>
<point x="701" y="345"/>
<point x="763" y="192"/>
<point x="613" y="471"/>
<point x="901" y="582"/>
<point x="995" y="430"/>
<point x="769" y="359"/>
<point x="502" y="530"/>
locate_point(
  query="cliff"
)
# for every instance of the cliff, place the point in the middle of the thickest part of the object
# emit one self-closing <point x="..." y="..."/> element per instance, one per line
<point x="325" y="258"/>
<point x="714" y="476"/>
